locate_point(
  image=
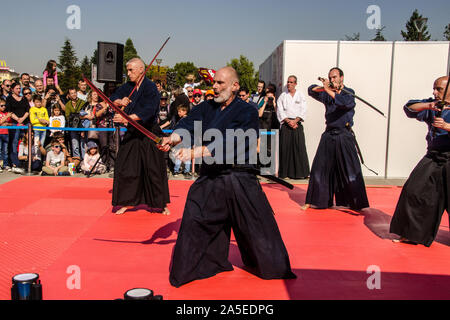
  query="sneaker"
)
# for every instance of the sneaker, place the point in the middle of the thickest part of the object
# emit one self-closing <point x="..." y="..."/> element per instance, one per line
<point x="18" y="170"/>
<point x="1" y="169"/>
<point x="176" y="173"/>
<point x="8" y="168"/>
<point x="188" y="175"/>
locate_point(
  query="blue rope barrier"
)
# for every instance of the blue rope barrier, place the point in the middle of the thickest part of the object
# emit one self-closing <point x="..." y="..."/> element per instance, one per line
<point x="92" y="129"/>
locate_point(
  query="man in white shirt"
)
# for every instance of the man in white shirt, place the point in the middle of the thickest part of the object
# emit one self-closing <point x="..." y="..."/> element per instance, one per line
<point x="82" y="87"/>
<point x="291" y="111"/>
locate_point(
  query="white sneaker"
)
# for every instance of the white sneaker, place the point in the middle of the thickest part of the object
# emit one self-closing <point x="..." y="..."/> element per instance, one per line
<point x="8" y="168"/>
<point x="1" y="170"/>
<point x="18" y="170"/>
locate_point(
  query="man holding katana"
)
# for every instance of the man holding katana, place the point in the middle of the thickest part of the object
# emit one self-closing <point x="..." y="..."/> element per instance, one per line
<point x="425" y="194"/>
<point x="226" y="195"/>
<point x="336" y="170"/>
<point x="140" y="173"/>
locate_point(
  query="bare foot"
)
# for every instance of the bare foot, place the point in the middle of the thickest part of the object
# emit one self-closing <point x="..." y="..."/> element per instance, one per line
<point x="306" y="206"/>
<point x="403" y="240"/>
<point x="166" y="211"/>
<point x="121" y="210"/>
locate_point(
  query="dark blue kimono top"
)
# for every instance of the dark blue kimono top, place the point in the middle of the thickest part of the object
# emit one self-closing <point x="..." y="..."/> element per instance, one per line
<point x="339" y="111"/>
<point x="238" y="115"/>
<point x="144" y="102"/>
<point x="441" y="141"/>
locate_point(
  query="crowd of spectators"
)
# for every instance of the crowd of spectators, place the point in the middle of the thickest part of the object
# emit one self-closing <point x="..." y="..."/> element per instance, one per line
<point x="43" y="104"/>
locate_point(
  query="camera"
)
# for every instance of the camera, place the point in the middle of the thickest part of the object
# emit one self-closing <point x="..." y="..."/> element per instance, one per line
<point x="74" y="120"/>
<point x="270" y="99"/>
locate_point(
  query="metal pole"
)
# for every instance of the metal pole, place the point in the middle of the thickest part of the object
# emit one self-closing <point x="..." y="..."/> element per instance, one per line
<point x="29" y="148"/>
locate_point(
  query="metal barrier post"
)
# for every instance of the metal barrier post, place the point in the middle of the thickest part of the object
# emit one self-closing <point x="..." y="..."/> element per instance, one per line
<point x="30" y="153"/>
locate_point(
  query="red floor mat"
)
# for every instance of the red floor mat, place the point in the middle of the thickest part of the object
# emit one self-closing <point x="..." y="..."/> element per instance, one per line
<point x="54" y="226"/>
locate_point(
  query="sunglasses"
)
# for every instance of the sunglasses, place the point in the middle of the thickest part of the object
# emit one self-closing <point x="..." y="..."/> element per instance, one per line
<point x="242" y="95"/>
<point x="190" y="91"/>
<point x="26" y="93"/>
<point x="197" y="95"/>
<point x="2" y="105"/>
<point x="7" y="85"/>
<point x="57" y="147"/>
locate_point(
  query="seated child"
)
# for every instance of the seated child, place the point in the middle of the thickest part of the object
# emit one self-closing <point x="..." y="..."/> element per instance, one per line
<point x="90" y="158"/>
<point x="54" y="164"/>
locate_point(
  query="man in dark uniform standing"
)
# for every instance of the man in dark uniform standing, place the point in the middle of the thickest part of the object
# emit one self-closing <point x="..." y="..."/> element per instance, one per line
<point x="225" y="196"/>
<point x="425" y="194"/>
<point x="140" y="174"/>
<point x="336" y="170"/>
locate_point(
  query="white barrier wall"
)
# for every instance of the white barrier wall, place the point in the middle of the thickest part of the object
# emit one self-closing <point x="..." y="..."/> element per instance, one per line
<point x="386" y="74"/>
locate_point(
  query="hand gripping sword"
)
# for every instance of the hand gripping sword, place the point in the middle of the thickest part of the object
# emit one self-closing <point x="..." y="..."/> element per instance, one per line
<point x="131" y="121"/>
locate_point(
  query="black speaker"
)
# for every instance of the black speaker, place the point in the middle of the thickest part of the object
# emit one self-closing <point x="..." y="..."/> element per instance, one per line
<point x="109" y="62"/>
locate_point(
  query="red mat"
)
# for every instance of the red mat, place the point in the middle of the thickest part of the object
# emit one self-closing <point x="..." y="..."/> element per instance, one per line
<point x="63" y="228"/>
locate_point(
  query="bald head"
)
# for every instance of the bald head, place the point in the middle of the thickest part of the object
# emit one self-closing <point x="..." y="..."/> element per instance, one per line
<point x="439" y="87"/>
<point x="226" y="85"/>
<point x="230" y="73"/>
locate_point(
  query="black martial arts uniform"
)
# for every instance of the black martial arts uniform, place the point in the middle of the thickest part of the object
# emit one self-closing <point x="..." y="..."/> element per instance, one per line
<point x="425" y="195"/>
<point x="140" y="174"/>
<point x="336" y="170"/>
<point x="224" y="197"/>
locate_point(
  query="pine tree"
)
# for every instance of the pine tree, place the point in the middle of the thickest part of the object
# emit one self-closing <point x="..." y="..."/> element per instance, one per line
<point x="94" y="57"/>
<point x="70" y="72"/>
<point x="129" y="52"/>
<point x="447" y="32"/>
<point x="85" y="67"/>
<point x="416" y="28"/>
<point x="246" y="72"/>
<point x="354" y="37"/>
<point x="378" y="35"/>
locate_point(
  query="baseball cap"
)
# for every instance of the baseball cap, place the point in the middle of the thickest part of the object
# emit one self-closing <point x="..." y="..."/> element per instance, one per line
<point x="209" y="92"/>
<point x="197" y="91"/>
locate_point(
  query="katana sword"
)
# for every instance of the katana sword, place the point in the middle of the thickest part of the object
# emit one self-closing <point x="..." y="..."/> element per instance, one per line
<point x="141" y="77"/>
<point x="131" y="121"/>
<point x="361" y="99"/>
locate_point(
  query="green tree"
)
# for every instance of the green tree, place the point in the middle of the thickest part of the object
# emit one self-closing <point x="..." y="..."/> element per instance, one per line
<point x="129" y="52"/>
<point x="70" y="71"/>
<point x="182" y="69"/>
<point x="447" y="32"/>
<point x="94" y="57"/>
<point x="378" y="35"/>
<point x="416" y="28"/>
<point x="247" y="76"/>
<point x="354" y="37"/>
<point x="85" y="67"/>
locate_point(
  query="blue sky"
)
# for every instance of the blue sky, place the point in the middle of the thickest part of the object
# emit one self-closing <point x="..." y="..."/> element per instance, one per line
<point x="208" y="33"/>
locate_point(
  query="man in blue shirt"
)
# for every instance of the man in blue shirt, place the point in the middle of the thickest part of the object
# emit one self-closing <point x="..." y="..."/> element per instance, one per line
<point x="225" y="195"/>
<point x="425" y="194"/>
<point x="336" y="170"/>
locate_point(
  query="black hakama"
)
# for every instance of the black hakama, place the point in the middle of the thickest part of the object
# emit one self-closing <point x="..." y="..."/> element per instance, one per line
<point x="336" y="172"/>
<point x="423" y="199"/>
<point x="214" y="205"/>
<point x="140" y="174"/>
<point x="293" y="161"/>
